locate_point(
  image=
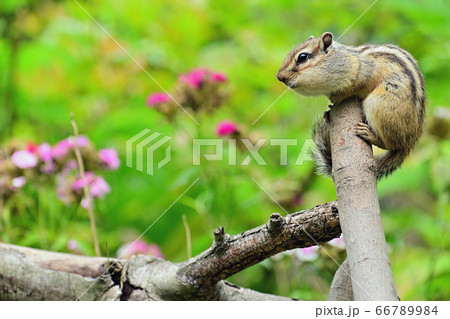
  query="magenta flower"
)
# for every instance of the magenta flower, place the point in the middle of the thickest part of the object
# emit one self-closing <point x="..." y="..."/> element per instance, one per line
<point x="45" y="152"/>
<point x="139" y="247"/>
<point x="61" y="148"/>
<point x="24" y="159"/>
<point x="194" y="78"/>
<point x="226" y="128"/>
<point x="218" y="77"/>
<point x="109" y="157"/>
<point x="99" y="187"/>
<point x="31" y="147"/>
<point x="157" y="98"/>
<point x="89" y="177"/>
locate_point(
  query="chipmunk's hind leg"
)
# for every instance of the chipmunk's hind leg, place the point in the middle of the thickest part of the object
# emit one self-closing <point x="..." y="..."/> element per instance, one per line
<point x="391" y="117"/>
<point x="391" y="125"/>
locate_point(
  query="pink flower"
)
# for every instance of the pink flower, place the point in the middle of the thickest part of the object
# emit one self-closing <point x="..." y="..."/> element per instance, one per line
<point x="139" y="247"/>
<point x="226" y="128"/>
<point x="307" y="254"/>
<point x="80" y="141"/>
<point x="218" y="77"/>
<point x="74" y="247"/>
<point x="85" y="202"/>
<point x="89" y="177"/>
<point x="72" y="244"/>
<point x="31" y="147"/>
<point x="61" y="148"/>
<point x="157" y="98"/>
<point x="154" y="250"/>
<point x="194" y="78"/>
<point x="48" y="167"/>
<point x="45" y="151"/>
<point x="99" y="187"/>
<point x="19" y="182"/>
<point x="24" y="159"/>
<point x="338" y="242"/>
<point x="70" y="166"/>
<point x="109" y="157"/>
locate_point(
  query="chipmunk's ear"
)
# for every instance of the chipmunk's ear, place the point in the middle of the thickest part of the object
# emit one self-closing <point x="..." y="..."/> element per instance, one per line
<point x="310" y="38"/>
<point x="326" y="40"/>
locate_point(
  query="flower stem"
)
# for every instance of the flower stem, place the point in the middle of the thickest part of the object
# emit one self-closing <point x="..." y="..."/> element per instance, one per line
<point x="85" y="186"/>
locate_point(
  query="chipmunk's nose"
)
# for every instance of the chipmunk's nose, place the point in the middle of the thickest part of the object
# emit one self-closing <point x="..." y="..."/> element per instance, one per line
<point x="281" y="77"/>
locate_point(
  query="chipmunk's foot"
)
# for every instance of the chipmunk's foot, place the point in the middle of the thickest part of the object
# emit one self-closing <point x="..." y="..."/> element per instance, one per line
<point x="365" y="132"/>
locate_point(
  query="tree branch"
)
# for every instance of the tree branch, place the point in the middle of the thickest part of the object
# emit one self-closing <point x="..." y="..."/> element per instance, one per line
<point x="30" y="274"/>
<point x="356" y="189"/>
<point x="231" y="254"/>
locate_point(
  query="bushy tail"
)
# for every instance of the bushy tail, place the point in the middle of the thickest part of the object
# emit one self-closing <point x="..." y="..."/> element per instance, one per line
<point x="389" y="161"/>
<point x="386" y="163"/>
<point x="322" y="154"/>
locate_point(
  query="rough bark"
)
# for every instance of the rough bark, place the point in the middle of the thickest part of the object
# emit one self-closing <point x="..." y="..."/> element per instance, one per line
<point x="231" y="254"/>
<point x="31" y="274"/>
<point x="356" y="189"/>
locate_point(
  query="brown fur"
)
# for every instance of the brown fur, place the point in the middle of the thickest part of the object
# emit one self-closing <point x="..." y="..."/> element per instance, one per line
<point x="385" y="77"/>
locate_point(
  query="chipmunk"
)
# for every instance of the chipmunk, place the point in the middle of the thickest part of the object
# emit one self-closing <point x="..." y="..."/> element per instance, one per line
<point x="385" y="77"/>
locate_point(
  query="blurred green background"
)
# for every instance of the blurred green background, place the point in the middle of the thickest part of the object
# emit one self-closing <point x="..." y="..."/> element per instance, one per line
<point x="55" y="60"/>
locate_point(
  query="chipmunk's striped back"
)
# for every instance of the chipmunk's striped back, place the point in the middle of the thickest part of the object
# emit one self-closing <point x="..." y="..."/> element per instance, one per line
<point x="396" y="55"/>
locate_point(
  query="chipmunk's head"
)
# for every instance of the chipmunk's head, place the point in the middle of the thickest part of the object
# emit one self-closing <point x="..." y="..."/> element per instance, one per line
<point x="305" y="69"/>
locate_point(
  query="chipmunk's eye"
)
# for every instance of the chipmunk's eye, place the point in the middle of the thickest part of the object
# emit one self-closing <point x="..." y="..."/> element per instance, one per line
<point x="302" y="57"/>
